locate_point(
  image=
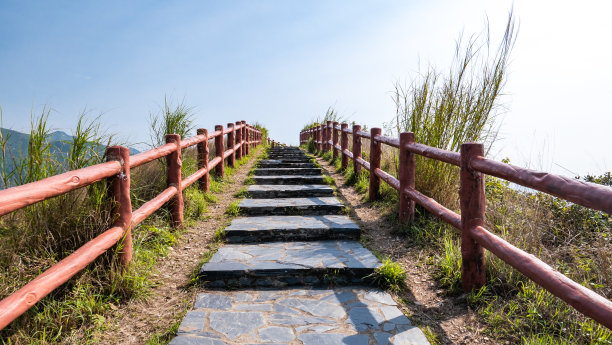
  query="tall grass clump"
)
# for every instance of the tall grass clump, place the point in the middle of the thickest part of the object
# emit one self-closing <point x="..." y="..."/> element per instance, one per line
<point x="331" y="114"/>
<point x="444" y="110"/>
<point x="172" y="119"/>
<point x="36" y="237"/>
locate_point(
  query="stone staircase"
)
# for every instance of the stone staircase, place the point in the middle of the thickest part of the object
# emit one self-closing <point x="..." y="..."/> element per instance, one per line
<point x="293" y="271"/>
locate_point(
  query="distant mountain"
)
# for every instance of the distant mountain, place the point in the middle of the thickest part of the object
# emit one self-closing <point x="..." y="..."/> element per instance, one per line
<point x="17" y="146"/>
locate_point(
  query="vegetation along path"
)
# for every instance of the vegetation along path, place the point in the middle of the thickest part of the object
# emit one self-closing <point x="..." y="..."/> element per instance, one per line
<point x="293" y="272"/>
<point x="154" y="318"/>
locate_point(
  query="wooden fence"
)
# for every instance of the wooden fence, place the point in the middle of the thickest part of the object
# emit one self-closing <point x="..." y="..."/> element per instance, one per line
<point x="274" y="143"/>
<point x="474" y="237"/>
<point x="241" y="139"/>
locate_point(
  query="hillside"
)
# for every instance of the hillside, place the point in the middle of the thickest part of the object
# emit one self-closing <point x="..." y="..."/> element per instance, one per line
<point x="17" y="148"/>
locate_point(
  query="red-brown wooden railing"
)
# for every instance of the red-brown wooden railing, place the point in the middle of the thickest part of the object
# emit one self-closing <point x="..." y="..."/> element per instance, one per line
<point x="241" y="138"/>
<point x="474" y="237"/>
<point x="274" y="143"/>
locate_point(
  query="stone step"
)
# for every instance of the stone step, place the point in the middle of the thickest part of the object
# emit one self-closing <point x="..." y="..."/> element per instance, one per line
<point x="285" y="152"/>
<point x="287" y="171"/>
<point x="266" y="191"/>
<point x="338" y="262"/>
<point x="285" y="160"/>
<point x="284" y="149"/>
<point x="295" y="153"/>
<point x="289" y="179"/>
<point x="291" y="228"/>
<point x="307" y="316"/>
<point x="287" y="157"/>
<point x="286" y="165"/>
<point x="291" y="206"/>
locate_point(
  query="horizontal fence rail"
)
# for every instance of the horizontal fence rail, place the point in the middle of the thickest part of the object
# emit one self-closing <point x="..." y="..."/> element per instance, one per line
<point x="241" y="138"/>
<point x="470" y="223"/>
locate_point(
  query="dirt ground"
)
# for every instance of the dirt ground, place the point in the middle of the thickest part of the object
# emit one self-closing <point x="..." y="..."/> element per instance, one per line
<point x="426" y="305"/>
<point x="137" y="320"/>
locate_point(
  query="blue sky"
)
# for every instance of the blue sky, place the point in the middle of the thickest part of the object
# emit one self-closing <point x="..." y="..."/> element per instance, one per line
<point x="283" y="62"/>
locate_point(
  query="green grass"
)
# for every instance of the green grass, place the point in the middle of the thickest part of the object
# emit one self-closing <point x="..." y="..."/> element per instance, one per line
<point x="449" y="263"/>
<point x="431" y="336"/>
<point x="390" y="275"/>
<point x="444" y="110"/>
<point x="35" y="238"/>
<point x="233" y="209"/>
<point x="328" y="180"/>
<point x="513" y="307"/>
<point x="165" y="337"/>
<point x="242" y="193"/>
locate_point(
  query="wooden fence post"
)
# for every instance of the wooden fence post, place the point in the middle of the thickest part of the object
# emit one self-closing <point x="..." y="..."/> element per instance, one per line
<point x="406" y="177"/>
<point x="319" y="139"/>
<point x="335" y="140"/>
<point x="356" y="150"/>
<point x="253" y="137"/>
<point x="328" y="137"/>
<point x="219" y="149"/>
<point x="173" y="178"/>
<point x="238" y="140"/>
<point x="375" y="153"/>
<point x="248" y="139"/>
<point x="472" y="201"/>
<point x="343" y="145"/>
<point x="230" y="145"/>
<point x="244" y="139"/>
<point x="120" y="194"/>
<point x="203" y="160"/>
<point x="323" y="137"/>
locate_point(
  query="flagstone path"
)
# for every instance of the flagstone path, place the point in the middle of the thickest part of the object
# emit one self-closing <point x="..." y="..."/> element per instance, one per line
<point x="293" y="271"/>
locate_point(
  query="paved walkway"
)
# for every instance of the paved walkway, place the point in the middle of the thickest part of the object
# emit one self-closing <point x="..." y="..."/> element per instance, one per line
<point x="293" y="271"/>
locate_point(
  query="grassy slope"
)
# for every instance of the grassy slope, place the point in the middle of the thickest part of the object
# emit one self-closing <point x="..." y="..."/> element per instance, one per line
<point x="82" y="302"/>
<point x="573" y="239"/>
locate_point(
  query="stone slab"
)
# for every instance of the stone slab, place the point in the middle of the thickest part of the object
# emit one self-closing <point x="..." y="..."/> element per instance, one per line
<point x="291" y="228"/>
<point x="287" y="171"/>
<point x="291" y="206"/>
<point x="286" y="165"/>
<point x="287" y="160"/>
<point x="260" y="191"/>
<point x="293" y="153"/>
<point x="338" y="262"/>
<point x="292" y="157"/>
<point x="284" y="149"/>
<point x="289" y="179"/>
<point x="305" y="316"/>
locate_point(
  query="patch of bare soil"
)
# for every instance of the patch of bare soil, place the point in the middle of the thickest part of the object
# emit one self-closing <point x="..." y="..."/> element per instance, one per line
<point x="424" y="301"/>
<point x="137" y="320"/>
